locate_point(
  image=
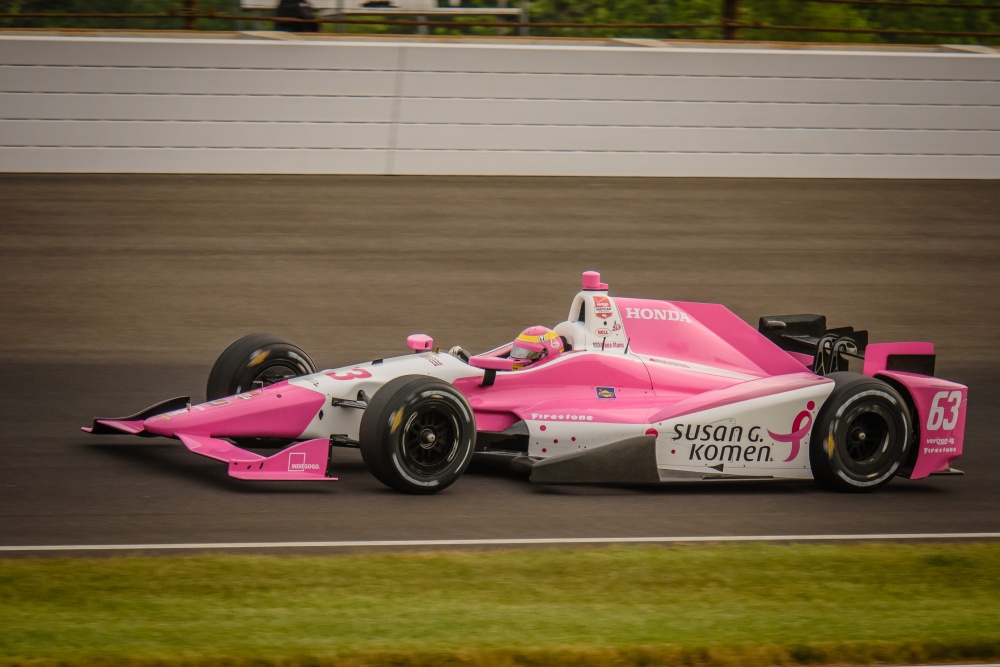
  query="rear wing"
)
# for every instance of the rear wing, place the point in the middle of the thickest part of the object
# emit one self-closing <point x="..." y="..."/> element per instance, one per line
<point x="807" y="338"/>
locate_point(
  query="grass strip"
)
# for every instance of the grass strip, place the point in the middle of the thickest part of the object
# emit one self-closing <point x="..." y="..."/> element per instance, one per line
<point x="698" y="606"/>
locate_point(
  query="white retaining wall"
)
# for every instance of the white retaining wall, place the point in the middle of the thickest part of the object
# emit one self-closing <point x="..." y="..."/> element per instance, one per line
<point x="258" y="105"/>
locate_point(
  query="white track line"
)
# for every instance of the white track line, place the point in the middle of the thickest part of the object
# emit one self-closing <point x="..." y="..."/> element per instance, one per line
<point x="501" y="542"/>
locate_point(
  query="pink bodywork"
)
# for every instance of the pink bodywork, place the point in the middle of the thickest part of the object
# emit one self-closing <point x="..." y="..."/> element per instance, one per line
<point x="681" y="364"/>
<point x="877" y="354"/>
<point x="701" y="333"/>
<point x="492" y="363"/>
<point x="302" y="461"/>
<point x="419" y="342"/>
<point x="939" y="404"/>
<point x="592" y="281"/>
<point x="278" y="411"/>
<point x="556" y="388"/>
<point x="764" y="387"/>
<point x="940" y="407"/>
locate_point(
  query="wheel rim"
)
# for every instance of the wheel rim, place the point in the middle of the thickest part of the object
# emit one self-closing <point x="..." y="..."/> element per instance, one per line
<point x="866" y="435"/>
<point x="273" y="374"/>
<point x="868" y="442"/>
<point x="430" y="439"/>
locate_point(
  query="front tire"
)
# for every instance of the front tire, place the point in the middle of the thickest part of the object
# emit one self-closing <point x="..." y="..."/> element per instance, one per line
<point x="417" y="434"/>
<point x="256" y="360"/>
<point x="862" y="436"/>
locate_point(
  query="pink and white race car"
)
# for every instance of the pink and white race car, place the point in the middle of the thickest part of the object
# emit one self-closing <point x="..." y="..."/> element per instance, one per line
<point x="624" y="391"/>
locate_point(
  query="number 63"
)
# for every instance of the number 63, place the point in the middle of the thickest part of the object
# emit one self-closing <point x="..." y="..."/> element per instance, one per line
<point x="944" y="410"/>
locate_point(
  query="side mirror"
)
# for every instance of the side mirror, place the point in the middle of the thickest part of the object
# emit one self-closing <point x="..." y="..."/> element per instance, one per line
<point x="419" y="342"/>
<point x="492" y="363"/>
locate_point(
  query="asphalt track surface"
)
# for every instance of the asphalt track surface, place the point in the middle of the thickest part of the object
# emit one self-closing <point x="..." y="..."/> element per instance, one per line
<point x="118" y="292"/>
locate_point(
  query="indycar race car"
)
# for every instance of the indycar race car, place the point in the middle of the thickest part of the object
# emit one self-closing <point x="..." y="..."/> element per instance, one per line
<point x="624" y="391"/>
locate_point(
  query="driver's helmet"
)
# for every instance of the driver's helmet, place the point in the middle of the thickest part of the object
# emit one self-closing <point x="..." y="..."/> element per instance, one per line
<point x="535" y="344"/>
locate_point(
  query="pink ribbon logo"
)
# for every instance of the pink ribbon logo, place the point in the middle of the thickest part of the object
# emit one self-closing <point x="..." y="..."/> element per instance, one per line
<point x="800" y="429"/>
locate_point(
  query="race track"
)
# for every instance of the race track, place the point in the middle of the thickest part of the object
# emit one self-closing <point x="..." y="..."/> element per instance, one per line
<point x="118" y="292"/>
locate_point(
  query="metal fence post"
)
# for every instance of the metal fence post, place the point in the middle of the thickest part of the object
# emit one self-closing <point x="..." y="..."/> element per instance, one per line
<point x="730" y="18"/>
<point x="188" y="15"/>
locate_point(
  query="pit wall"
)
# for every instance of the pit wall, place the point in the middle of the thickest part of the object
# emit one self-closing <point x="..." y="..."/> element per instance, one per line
<point x="252" y="103"/>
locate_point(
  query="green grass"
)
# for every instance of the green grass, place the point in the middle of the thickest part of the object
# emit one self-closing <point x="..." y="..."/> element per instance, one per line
<point x="695" y="605"/>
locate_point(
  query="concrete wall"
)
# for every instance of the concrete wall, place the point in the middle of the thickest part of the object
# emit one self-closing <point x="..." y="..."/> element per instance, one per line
<point x="265" y="105"/>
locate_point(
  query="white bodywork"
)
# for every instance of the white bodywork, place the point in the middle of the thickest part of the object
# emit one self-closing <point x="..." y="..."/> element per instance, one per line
<point x="738" y="439"/>
<point x="346" y="382"/>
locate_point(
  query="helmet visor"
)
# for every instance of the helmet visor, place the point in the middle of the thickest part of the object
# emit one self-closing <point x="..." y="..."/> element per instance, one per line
<point x="518" y="352"/>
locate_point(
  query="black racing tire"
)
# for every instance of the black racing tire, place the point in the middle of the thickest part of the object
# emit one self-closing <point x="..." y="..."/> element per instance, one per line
<point x="418" y="434"/>
<point x="259" y="359"/>
<point x="863" y="434"/>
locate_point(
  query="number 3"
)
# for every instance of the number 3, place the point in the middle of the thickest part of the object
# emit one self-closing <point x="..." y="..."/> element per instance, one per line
<point x="937" y="418"/>
<point x="354" y="374"/>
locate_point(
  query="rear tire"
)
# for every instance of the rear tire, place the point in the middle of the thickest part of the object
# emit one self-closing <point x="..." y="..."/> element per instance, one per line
<point x="862" y="436"/>
<point x="418" y="434"/>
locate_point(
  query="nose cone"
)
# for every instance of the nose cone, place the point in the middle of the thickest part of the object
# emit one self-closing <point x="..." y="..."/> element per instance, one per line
<point x="279" y="411"/>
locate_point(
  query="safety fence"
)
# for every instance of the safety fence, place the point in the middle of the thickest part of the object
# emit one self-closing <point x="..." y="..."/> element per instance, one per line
<point x="897" y="21"/>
